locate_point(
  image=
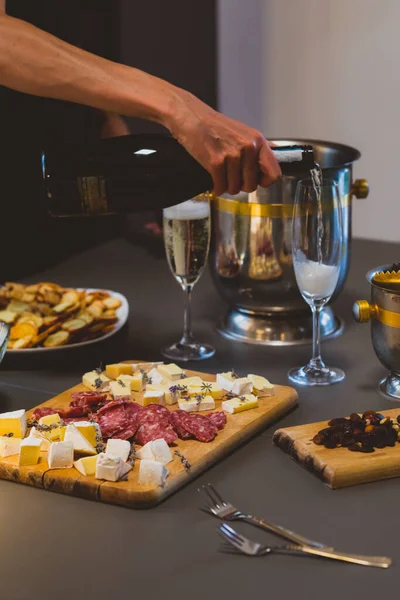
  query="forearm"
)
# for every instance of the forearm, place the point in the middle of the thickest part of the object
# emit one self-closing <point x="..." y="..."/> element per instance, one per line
<point x="35" y="62"/>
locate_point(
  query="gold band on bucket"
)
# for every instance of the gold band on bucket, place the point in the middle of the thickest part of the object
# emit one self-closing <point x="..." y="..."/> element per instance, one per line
<point x="387" y="317"/>
<point x="248" y="209"/>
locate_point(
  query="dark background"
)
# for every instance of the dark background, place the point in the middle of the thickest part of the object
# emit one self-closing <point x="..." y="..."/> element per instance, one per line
<point x="174" y="40"/>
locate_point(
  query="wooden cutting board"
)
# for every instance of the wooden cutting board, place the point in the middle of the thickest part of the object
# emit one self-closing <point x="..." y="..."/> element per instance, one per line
<point x="338" y="467"/>
<point x="239" y="428"/>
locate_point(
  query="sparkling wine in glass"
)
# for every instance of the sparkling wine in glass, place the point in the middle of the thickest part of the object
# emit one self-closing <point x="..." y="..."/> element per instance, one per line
<point x="317" y="250"/>
<point x="187" y="230"/>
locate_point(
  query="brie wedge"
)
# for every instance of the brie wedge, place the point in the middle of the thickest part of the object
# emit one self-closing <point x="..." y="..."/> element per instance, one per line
<point x="78" y="440"/>
<point x="9" y="446"/>
<point x="261" y="386"/>
<point x="118" y="448"/>
<point x="157" y="450"/>
<point x="111" y="468"/>
<point x="226" y="381"/>
<point x="86" y="465"/>
<point x="60" y="455"/>
<point x="152" y="473"/>
<point x="242" y="386"/>
<point x="13" y="422"/>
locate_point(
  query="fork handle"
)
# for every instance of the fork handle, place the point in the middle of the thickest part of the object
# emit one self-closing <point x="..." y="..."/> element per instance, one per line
<point x="282" y="532"/>
<point x="359" y="559"/>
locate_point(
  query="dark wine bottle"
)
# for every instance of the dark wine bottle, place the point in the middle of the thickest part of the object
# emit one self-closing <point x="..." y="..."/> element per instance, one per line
<point x="133" y="173"/>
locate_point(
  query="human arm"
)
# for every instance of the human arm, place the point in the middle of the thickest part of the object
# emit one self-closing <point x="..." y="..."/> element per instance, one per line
<point x="35" y="62"/>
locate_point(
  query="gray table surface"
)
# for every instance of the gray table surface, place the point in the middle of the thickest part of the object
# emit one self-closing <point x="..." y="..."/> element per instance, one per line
<point x="66" y="547"/>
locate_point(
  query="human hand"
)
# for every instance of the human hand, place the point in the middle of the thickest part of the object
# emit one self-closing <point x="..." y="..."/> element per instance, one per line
<point x="238" y="157"/>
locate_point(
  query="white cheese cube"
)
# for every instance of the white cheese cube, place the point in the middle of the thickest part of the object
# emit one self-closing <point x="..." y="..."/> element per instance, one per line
<point x="78" y="440"/>
<point x="171" y="372"/>
<point x="45" y="442"/>
<point x="207" y="387"/>
<point x="136" y="367"/>
<point x="225" y="381"/>
<point x="242" y="386"/>
<point x="157" y="450"/>
<point x="120" y="388"/>
<point x="261" y="386"/>
<point x="236" y="405"/>
<point x="154" y="376"/>
<point x="194" y="381"/>
<point x="197" y="403"/>
<point x="118" y="448"/>
<point x="13" y="422"/>
<point x="152" y="473"/>
<point x="61" y="455"/>
<point x="9" y="446"/>
<point x="96" y="381"/>
<point x="111" y="468"/>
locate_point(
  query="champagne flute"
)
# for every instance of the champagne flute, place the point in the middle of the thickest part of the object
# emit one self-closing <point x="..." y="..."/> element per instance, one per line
<point x="317" y="250"/>
<point x="187" y="241"/>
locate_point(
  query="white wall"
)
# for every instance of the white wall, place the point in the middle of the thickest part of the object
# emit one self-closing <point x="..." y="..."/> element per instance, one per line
<point x="327" y="69"/>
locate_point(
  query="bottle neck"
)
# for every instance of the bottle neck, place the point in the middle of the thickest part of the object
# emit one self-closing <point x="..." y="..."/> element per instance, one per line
<point x="303" y="155"/>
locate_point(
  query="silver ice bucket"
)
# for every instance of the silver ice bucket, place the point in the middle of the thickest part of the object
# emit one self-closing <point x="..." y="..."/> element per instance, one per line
<point x="251" y="259"/>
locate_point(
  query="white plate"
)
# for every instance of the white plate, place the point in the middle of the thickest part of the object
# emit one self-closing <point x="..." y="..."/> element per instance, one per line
<point x="122" y="314"/>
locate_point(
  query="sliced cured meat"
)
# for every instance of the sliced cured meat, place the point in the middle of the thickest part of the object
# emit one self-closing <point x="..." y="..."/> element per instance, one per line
<point x="176" y="422"/>
<point x="199" y="426"/>
<point x="74" y="419"/>
<point x="132" y="411"/>
<point x="113" y="419"/>
<point x="154" y="431"/>
<point x="43" y="411"/>
<point x="90" y="401"/>
<point x="76" y="412"/>
<point x="157" y="409"/>
<point x="218" y="419"/>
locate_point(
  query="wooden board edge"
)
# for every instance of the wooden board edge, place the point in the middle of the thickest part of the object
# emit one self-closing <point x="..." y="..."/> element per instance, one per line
<point x="282" y="440"/>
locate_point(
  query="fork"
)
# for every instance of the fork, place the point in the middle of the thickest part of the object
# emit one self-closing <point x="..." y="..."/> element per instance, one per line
<point x="250" y="548"/>
<point x="227" y="512"/>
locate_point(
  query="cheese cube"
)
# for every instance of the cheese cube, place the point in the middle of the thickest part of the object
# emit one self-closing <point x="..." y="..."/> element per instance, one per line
<point x="111" y="468"/>
<point x="61" y="455"/>
<point x="157" y="450"/>
<point x="91" y="431"/>
<point x="53" y="433"/>
<point x="45" y="442"/>
<point x="261" y="386"/>
<point x="155" y="376"/>
<point x="226" y="381"/>
<point x="115" y="371"/>
<point x="136" y="367"/>
<point x="192" y="381"/>
<point x="79" y="442"/>
<point x="207" y="387"/>
<point x="120" y="388"/>
<point x="152" y="397"/>
<point x="86" y="465"/>
<point x="29" y="451"/>
<point x="96" y="381"/>
<point x="137" y="383"/>
<point x="171" y="372"/>
<point x="9" y="446"/>
<point x="236" y="405"/>
<point x="13" y="422"/>
<point x="62" y="433"/>
<point x="152" y="473"/>
<point x="242" y="386"/>
<point x="197" y="403"/>
<point x="118" y="448"/>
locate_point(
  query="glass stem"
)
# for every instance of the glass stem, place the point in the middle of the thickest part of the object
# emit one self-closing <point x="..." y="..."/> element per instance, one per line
<point x="316" y="361"/>
<point x="187" y="337"/>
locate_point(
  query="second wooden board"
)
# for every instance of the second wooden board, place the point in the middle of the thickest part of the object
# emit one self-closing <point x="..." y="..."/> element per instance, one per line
<point x="338" y="467"/>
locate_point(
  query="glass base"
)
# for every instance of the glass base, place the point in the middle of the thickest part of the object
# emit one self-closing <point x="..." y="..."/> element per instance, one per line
<point x="186" y="352"/>
<point x="309" y="376"/>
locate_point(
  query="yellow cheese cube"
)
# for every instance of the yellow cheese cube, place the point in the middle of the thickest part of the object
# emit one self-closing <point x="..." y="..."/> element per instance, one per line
<point x="197" y="404"/>
<point x="62" y="433"/>
<point x="152" y="397"/>
<point x="137" y="383"/>
<point x="120" y="388"/>
<point x="52" y="434"/>
<point x="236" y="405"/>
<point x="13" y="422"/>
<point x="115" y="371"/>
<point x="29" y="451"/>
<point x="206" y="387"/>
<point x="170" y="372"/>
<point x="86" y="465"/>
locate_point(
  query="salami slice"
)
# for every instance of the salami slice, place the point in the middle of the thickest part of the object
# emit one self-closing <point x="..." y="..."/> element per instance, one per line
<point x="132" y="411"/>
<point x="176" y="421"/>
<point x="154" y="431"/>
<point x="113" y="419"/>
<point x="43" y="411"/>
<point x="158" y="409"/>
<point x="218" y="419"/>
<point x="199" y="426"/>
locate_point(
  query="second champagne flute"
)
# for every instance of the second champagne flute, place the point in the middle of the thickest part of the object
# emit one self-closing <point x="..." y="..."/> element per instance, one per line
<point x="317" y="252"/>
<point x="187" y="242"/>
